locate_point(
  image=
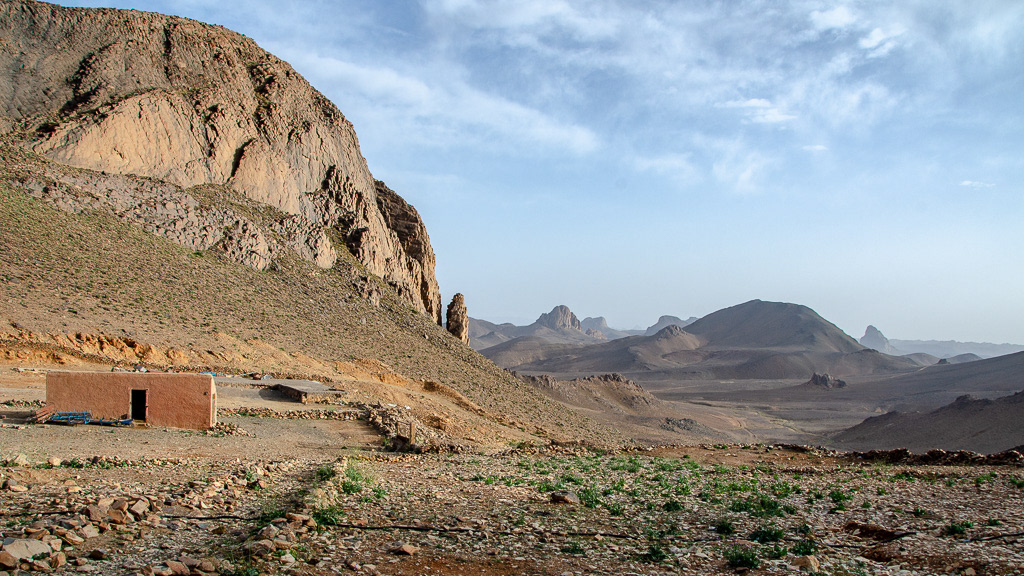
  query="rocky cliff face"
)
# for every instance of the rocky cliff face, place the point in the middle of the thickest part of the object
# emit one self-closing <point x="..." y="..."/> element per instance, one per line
<point x="189" y="104"/>
<point x="560" y="318"/>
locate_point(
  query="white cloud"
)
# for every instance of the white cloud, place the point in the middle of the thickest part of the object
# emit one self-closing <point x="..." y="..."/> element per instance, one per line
<point x="759" y="110"/>
<point x="974" y="184"/>
<point x="465" y="112"/>
<point x="816" y="148"/>
<point x="879" y="43"/>
<point x="839" y="17"/>
<point x="751" y="103"/>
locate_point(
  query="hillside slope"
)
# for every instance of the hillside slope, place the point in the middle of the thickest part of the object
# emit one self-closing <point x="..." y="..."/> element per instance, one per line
<point x="189" y="104"/>
<point x="980" y="425"/>
<point x="89" y="287"/>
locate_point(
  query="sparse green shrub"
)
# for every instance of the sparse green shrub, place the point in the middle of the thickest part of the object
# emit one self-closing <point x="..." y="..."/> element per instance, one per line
<point x="574" y="547"/>
<point x="741" y="557"/>
<point x="724" y="527"/>
<point x="328" y="516"/>
<point x="919" y="512"/>
<point x="957" y="528"/>
<point x="838" y="496"/>
<point x="775" y="551"/>
<point x="354" y="481"/>
<point x="767" y="533"/>
<point x="993" y="522"/>
<point x="984" y="478"/>
<point x="804" y="547"/>
<point x="759" y="506"/>
<point x="325" y="473"/>
<point x="655" y="553"/>
<point x="1018" y="482"/>
<point x="589" y="497"/>
<point x="672" y="506"/>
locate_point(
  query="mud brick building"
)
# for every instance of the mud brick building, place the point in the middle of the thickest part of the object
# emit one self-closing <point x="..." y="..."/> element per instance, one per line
<point x="157" y="399"/>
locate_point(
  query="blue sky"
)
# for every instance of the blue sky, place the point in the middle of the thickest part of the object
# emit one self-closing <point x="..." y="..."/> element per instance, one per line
<point x="637" y="158"/>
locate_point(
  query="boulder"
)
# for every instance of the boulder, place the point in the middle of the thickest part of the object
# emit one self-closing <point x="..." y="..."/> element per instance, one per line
<point x="27" y="549"/>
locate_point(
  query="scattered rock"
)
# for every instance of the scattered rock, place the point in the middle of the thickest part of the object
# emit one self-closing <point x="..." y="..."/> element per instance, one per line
<point x="807" y="563"/>
<point x="403" y="549"/>
<point x="564" y="497"/>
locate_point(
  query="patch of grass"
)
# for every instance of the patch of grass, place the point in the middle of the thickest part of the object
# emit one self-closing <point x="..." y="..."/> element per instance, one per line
<point x="741" y="557"/>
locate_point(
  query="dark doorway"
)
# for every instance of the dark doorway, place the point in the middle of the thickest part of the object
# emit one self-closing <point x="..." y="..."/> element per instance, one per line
<point x="139" y="405"/>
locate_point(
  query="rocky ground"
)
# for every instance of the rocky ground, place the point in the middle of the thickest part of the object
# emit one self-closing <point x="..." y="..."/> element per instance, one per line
<point x="261" y="496"/>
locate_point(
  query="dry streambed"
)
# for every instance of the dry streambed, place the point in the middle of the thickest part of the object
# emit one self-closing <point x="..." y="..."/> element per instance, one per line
<point x="567" y="511"/>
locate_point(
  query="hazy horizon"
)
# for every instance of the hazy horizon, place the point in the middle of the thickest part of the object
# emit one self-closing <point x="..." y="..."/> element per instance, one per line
<point x="632" y="160"/>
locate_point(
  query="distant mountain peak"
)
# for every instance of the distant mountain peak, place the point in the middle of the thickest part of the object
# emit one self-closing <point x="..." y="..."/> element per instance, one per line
<point x="667" y="320"/>
<point x="873" y="338"/>
<point x="560" y="318"/>
<point x="600" y="324"/>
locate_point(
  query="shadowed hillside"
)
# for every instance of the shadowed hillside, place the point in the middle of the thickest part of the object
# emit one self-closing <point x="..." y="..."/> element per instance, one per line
<point x="968" y="423"/>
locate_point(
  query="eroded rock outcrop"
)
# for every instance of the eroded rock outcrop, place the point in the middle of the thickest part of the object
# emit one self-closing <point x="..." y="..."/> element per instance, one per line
<point x="826" y="381"/>
<point x="188" y="104"/>
<point x="458" y="318"/>
<point x="560" y="318"/>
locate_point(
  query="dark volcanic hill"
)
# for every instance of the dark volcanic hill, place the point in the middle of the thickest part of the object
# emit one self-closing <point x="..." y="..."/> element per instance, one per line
<point x="776" y="325"/>
<point x="968" y="423"/>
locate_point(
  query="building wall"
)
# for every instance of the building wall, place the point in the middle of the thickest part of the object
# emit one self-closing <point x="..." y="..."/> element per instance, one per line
<point x="174" y="400"/>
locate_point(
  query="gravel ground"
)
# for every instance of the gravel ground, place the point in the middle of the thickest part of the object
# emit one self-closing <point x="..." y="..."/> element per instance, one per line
<point x="285" y="507"/>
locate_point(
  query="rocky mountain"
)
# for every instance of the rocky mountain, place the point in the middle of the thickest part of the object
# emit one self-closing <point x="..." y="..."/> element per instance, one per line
<point x="560" y="318"/>
<point x="873" y="338"/>
<point x="772" y="325"/>
<point x="665" y="321"/>
<point x="172" y="195"/>
<point x="560" y="326"/>
<point x="179" y="108"/>
<point x="967" y="423"/>
<point x="599" y="326"/>
<point x="755" y="340"/>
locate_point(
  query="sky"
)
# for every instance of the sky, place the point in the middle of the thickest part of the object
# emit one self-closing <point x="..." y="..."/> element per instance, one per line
<point x="634" y="158"/>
